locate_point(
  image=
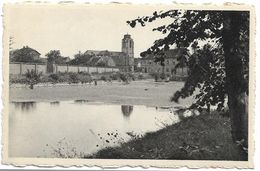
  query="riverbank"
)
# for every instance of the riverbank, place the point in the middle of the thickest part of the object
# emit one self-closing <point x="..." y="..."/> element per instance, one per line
<point x="144" y="92"/>
<point x="204" y="137"/>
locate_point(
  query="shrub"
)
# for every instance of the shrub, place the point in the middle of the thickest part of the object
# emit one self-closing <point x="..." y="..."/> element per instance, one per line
<point x="17" y="79"/>
<point x="73" y="78"/>
<point x="140" y="76"/>
<point x="132" y="76"/>
<point x="54" y="78"/>
<point x="103" y="78"/>
<point x="162" y="76"/>
<point x="155" y="75"/>
<point x="123" y="77"/>
<point x="114" y="76"/>
<point x="32" y="77"/>
<point x="177" y="78"/>
<point x="84" y="78"/>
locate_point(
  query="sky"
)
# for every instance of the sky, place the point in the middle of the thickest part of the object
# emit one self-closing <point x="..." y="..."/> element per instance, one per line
<point x="74" y="28"/>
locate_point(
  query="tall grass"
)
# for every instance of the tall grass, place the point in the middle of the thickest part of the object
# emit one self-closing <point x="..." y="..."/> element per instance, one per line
<point x="204" y="137"/>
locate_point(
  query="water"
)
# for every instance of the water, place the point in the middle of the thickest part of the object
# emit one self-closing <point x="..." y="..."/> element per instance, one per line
<point x="78" y="128"/>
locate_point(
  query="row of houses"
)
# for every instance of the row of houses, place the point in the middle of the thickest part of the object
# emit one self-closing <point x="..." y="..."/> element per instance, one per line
<point x="123" y="60"/>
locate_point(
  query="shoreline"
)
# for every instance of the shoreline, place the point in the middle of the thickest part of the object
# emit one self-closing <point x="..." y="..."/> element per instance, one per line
<point x="202" y="142"/>
<point x="148" y="93"/>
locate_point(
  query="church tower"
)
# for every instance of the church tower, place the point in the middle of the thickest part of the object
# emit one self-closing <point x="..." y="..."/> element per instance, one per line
<point x="128" y="45"/>
<point x="128" y="48"/>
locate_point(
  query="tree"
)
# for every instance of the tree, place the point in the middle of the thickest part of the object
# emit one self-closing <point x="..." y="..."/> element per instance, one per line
<point x="25" y="54"/>
<point x="81" y="59"/>
<point x="52" y="56"/>
<point x="32" y="77"/>
<point x="219" y="71"/>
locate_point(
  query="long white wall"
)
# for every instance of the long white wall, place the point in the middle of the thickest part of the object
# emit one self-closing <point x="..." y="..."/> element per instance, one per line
<point x="21" y="68"/>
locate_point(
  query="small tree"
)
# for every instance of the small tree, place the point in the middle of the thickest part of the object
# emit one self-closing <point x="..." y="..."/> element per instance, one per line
<point x="123" y="77"/>
<point x="52" y="56"/>
<point x="54" y="78"/>
<point x="32" y="78"/>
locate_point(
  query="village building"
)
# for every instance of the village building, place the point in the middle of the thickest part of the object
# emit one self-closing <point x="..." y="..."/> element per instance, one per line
<point x="147" y="64"/>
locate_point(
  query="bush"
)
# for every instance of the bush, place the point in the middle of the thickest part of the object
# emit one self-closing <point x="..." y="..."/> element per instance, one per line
<point x="114" y="76"/>
<point x="32" y="78"/>
<point x="84" y="78"/>
<point x="54" y="78"/>
<point x="73" y="78"/>
<point x="17" y="79"/>
<point x="123" y="77"/>
<point x="140" y="76"/>
<point x="103" y="78"/>
<point x="163" y="76"/>
<point x="132" y="76"/>
<point x="177" y="78"/>
<point x="155" y="75"/>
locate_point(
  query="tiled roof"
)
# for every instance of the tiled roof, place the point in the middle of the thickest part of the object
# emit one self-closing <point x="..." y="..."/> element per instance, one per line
<point x="119" y="58"/>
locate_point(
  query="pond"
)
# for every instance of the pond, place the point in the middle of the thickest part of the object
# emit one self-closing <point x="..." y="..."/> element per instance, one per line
<point x="78" y="128"/>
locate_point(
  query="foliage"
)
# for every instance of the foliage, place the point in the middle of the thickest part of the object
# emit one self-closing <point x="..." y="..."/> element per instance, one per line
<point x="32" y="77"/>
<point x="162" y="76"/>
<point x="156" y="76"/>
<point x="54" y="78"/>
<point x="103" y="78"/>
<point x="25" y="54"/>
<point x="140" y="76"/>
<point x="73" y="78"/>
<point x="131" y="76"/>
<point x="229" y="31"/>
<point x="203" y="142"/>
<point x="123" y="77"/>
<point x="17" y="79"/>
<point x="114" y="76"/>
<point x="205" y="63"/>
<point x="80" y="59"/>
<point x="187" y="29"/>
<point x="177" y="78"/>
<point x="53" y="55"/>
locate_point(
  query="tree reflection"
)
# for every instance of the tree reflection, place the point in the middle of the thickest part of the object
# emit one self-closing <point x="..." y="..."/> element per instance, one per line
<point x="25" y="106"/>
<point x="55" y="103"/>
<point x="127" y="110"/>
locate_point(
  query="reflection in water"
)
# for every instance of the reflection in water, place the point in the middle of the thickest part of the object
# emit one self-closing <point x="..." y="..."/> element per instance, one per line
<point x="84" y="128"/>
<point x="55" y="103"/>
<point x="127" y="110"/>
<point x="80" y="101"/>
<point x="25" y="106"/>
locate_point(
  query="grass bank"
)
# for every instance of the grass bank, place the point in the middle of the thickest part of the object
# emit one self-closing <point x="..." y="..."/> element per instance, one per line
<point x="204" y="137"/>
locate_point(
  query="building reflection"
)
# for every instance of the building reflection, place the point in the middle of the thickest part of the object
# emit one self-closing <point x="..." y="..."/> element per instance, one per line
<point x="127" y="110"/>
<point x="24" y="106"/>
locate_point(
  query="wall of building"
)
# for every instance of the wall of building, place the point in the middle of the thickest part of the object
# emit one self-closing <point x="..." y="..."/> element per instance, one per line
<point x="149" y="66"/>
<point x="21" y="68"/>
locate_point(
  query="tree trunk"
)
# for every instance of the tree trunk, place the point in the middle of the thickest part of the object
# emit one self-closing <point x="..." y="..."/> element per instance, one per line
<point x="235" y="82"/>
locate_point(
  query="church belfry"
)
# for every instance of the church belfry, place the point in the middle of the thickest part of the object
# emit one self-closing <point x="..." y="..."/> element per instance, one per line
<point x="128" y="45"/>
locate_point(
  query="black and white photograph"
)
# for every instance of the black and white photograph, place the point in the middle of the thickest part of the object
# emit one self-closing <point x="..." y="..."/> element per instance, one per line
<point x="159" y="84"/>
